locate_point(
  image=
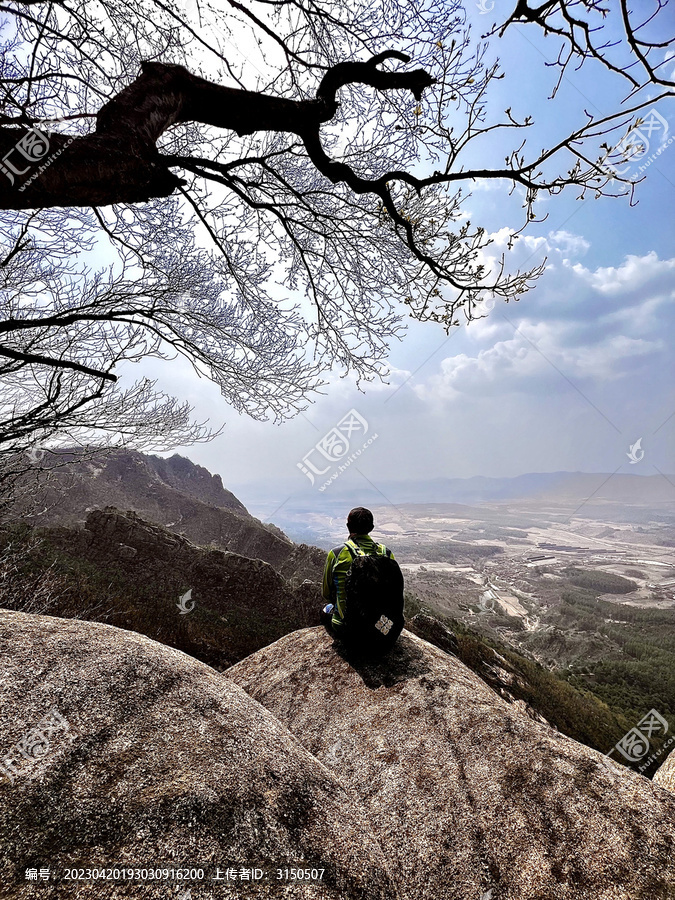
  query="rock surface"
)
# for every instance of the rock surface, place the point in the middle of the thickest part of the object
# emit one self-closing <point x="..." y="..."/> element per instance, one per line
<point x="162" y="762"/>
<point x="433" y="630"/>
<point x="235" y="605"/>
<point x="470" y="798"/>
<point x="665" y="776"/>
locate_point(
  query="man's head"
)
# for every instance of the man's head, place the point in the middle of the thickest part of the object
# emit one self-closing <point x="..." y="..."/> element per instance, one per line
<point x="360" y="521"/>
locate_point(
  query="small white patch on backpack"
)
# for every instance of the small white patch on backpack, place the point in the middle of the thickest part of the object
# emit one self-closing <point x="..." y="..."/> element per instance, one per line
<point x="384" y="624"/>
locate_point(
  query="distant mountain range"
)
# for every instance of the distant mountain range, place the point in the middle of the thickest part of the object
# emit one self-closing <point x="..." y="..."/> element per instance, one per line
<point x="159" y="547"/>
<point x="557" y="488"/>
<point x="176" y="493"/>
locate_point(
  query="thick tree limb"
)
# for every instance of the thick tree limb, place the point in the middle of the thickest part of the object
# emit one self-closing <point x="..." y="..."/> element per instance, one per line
<point x="368" y="73"/>
<point x="119" y="162"/>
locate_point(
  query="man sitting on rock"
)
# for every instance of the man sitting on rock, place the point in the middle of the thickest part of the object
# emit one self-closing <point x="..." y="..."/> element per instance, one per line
<point x="359" y="524"/>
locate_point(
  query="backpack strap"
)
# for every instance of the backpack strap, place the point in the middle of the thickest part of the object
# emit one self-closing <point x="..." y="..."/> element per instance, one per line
<point x="354" y="549"/>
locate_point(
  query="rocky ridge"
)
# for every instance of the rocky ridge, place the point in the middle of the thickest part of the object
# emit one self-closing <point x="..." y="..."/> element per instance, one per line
<point x="217" y="605"/>
<point x="469" y="797"/>
<point x="176" y="493"/>
<point x="136" y="755"/>
<point x="665" y="776"/>
<point x="405" y="779"/>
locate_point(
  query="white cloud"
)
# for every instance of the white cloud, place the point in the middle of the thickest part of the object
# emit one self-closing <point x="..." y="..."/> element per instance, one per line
<point x="581" y="377"/>
<point x="636" y="272"/>
<point x="570" y="243"/>
<point x="489" y="185"/>
<point x="586" y="341"/>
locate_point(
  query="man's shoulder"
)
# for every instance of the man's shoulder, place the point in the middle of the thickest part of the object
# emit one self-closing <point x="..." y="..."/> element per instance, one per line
<point x="336" y="551"/>
<point x="386" y="551"/>
<point x="382" y="548"/>
<point x="335" y="555"/>
<point x="364" y="543"/>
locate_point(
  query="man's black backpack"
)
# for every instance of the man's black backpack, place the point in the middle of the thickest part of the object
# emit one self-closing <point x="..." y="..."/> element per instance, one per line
<point x="373" y="601"/>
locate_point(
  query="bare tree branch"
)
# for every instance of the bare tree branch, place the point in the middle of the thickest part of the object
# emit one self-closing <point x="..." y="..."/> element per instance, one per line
<point x="584" y="26"/>
<point x="273" y="186"/>
<point x="50" y="361"/>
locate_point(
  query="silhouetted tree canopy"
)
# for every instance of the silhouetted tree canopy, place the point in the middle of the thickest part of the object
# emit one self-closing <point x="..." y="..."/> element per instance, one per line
<point x="263" y="189"/>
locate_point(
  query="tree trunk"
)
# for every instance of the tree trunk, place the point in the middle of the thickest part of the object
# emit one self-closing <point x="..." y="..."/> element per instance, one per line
<point x="119" y="162"/>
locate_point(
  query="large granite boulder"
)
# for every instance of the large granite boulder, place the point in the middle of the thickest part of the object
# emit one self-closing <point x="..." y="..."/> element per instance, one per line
<point x="665" y="775"/>
<point x="117" y="750"/>
<point x="470" y="798"/>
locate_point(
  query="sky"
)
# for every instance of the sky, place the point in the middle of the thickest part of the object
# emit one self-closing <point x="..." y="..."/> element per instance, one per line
<point x="569" y="378"/>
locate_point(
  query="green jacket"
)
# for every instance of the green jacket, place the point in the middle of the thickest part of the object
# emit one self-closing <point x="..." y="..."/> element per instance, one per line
<point x="338" y="563"/>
